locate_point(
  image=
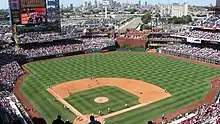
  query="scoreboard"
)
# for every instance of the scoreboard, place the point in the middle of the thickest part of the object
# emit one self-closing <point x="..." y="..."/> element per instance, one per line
<point x="45" y="13"/>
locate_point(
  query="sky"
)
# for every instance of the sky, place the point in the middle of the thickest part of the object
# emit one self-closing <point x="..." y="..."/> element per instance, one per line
<point x="4" y="3"/>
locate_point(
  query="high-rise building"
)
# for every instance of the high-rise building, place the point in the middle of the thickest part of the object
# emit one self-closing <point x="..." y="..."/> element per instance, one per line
<point x="86" y="4"/>
<point x="96" y="4"/>
<point x="174" y="9"/>
<point x="217" y="3"/>
<point x="118" y="5"/>
<point x="99" y="4"/>
<point x="62" y="6"/>
<point x="71" y="6"/>
<point x="111" y="2"/>
<point x="145" y="4"/>
<point x="139" y="4"/>
<point x="89" y="4"/>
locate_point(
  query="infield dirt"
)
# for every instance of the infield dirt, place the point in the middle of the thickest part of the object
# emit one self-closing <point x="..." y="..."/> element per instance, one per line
<point x="145" y="91"/>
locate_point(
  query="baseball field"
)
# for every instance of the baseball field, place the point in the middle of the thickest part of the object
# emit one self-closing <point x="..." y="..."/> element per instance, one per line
<point x="86" y="84"/>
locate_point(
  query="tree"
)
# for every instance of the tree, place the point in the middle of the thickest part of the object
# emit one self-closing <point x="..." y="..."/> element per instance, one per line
<point x="188" y="19"/>
<point x="182" y="20"/>
<point x="132" y="11"/>
<point x="146" y="18"/>
<point x="146" y="27"/>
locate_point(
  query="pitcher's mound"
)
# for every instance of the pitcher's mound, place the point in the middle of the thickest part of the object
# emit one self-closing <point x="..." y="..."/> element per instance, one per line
<point x="101" y="99"/>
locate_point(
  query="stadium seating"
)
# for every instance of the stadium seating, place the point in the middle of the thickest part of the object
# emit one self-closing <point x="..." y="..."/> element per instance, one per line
<point x="40" y="50"/>
<point x="204" y="35"/>
<point x="202" y="115"/>
<point x="10" y="70"/>
<point x="188" y="51"/>
<point x="212" y="21"/>
<point x="5" y="32"/>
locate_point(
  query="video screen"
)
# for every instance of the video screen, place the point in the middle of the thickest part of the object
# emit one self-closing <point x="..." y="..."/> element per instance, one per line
<point x="33" y="16"/>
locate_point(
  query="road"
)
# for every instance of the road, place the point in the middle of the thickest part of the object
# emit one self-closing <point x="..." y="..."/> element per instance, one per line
<point x="132" y="24"/>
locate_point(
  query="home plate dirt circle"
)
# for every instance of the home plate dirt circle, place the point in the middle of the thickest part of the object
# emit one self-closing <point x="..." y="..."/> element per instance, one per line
<point x="101" y="99"/>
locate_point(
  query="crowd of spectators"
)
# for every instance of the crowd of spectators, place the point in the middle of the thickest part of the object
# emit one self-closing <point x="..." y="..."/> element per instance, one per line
<point x="4" y="29"/>
<point x="71" y="31"/>
<point x="10" y="70"/>
<point x="14" y="109"/>
<point x="211" y="21"/>
<point x="49" y="49"/>
<point x="9" y="74"/>
<point x="204" y="35"/>
<point x="64" y="47"/>
<point x="97" y="43"/>
<point x="67" y="32"/>
<point x="44" y="37"/>
<point x="189" y="51"/>
<point x="5" y="33"/>
<point x="204" y="114"/>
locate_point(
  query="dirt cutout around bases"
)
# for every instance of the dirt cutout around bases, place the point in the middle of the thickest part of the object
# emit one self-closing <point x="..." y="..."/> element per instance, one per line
<point x="145" y="91"/>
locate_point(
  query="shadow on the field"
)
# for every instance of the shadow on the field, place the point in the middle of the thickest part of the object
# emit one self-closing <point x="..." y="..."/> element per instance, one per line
<point x="39" y="120"/>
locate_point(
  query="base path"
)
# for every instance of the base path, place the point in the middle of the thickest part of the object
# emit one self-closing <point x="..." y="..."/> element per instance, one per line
<point x="145" y="91"/>
<point x="125" y="110"/>
<point x="66" y="104"/>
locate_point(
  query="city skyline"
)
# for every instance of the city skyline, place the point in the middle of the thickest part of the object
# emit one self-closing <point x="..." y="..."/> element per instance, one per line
<point x="4" y="4"/>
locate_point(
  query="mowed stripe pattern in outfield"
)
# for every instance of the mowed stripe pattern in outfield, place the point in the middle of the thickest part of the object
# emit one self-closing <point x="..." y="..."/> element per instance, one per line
<point x="187" y="82"/>
<point x="83" y="101"/>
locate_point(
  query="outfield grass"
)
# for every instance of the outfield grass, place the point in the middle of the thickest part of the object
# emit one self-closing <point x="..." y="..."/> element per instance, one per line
<point x="83" y="101"/>
<point x="186" y="81"/>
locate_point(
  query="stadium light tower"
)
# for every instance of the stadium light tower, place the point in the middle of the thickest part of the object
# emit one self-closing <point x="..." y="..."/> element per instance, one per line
<point x="106" y="3"/>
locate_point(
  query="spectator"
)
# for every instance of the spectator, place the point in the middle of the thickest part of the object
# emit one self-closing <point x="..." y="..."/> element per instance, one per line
<point x="58" y="120"/>
<point x="67" y="122"/>
<point x="1" y="121"/>
<point x="149" y="122"/>
<point x="93" y="121"/>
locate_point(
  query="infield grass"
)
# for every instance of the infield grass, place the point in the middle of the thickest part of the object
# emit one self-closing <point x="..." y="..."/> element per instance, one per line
<point x="84" y="102"/>
<point x="187" y="82"/>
